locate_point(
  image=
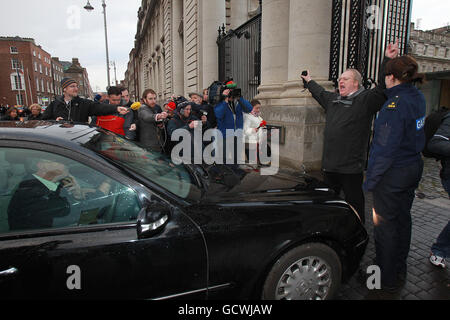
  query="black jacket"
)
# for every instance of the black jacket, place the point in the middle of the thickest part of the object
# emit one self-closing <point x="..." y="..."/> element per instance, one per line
<point x="38" y="117"/>
<point x="348" y="125"/>
<point x="78" y="110"/>
<point x="440" y="144"/>
<point x="33" y="205"/>
<point x="178" y="122"/>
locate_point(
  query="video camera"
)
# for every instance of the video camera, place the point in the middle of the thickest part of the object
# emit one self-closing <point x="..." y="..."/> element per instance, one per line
<point x="216" y="89"/>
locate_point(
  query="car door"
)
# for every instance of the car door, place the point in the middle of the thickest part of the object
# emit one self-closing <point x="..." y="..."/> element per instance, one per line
<point x="82" y="240"/>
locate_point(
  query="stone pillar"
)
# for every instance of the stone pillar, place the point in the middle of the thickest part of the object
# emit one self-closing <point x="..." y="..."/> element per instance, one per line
<point x="211" y="17"/>
<point x="239" y="13"/>
<point x="306" y="25"/>
<point x="177" y="48"/>
<point x="274" y="45"/>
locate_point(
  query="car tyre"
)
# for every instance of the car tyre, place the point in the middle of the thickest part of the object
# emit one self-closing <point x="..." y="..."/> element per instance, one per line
<point x="309" y="272"/>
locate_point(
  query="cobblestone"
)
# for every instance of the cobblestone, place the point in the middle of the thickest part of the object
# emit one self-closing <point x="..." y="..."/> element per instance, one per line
<point x="430" y="213"/>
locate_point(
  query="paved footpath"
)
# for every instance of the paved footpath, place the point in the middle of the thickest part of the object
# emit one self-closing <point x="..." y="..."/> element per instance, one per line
<point x="430" y="214"/>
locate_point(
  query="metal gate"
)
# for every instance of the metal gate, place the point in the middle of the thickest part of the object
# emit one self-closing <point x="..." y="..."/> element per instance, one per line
<point x="240" y="56"/>
<point x="360" y="32"/>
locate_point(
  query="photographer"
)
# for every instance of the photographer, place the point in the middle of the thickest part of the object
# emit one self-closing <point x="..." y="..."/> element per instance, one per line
<point x="184" y="119"/>
<point x="149" y="116"/>
<point x="202" y="108"/>
<point x="229" y="113"/>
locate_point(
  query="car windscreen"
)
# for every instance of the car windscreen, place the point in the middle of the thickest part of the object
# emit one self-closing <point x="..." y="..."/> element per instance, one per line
<point x="151" y="165"/>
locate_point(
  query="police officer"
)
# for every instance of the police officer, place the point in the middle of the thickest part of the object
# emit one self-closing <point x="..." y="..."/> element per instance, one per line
<point x="395" y="168"/>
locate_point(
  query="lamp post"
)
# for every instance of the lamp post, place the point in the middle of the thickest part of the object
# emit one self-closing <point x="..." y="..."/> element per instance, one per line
<point x="89" y="8"/>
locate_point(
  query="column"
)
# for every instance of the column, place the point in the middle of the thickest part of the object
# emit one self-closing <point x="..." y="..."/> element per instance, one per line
<point x="274" y="46"/>
<point x="177" y="48"/>
<point x="239" y="13"/>
<point x="295" y="37"/>
<point x="211" y="17"/>
<point x="309" y="40"/>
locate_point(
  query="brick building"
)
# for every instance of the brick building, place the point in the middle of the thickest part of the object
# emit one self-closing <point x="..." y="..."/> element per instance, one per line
<point x="78" y="73"/>
<point x="57" y="75"/>
<point x="25" y="72"/>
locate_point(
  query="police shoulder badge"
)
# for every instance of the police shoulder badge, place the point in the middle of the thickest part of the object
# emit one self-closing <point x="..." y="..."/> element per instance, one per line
<point x="393" y="104"/>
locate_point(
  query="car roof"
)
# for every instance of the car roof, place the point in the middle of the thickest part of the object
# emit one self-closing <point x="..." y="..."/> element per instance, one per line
<point x="49" y="132"/>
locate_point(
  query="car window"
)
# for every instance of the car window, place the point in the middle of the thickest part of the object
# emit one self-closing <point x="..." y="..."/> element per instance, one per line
<point x="43" y="190"/>
<point x="152" y="165"/>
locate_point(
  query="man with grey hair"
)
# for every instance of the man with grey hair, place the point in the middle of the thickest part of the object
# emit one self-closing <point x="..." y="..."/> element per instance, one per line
<point x="349" y="116"/>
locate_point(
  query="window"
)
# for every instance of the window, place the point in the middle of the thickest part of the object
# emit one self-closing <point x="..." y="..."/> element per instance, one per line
<point x="35" y="66"/>
<point x="16" y="64"/>
<point x="34" y="53"/>
<point x="48" y="87"/>
<point x="19" y="99"/>
<point x="40" y="68"/>
<point x="39" y="55"/>
<point x="46" y="71"/>
<point x="42" y="190"/>
<point x="14" y="50"/>
<point x="37" y="84"/>
<point x="42" y="85"/>
<point x="17" y="82"/>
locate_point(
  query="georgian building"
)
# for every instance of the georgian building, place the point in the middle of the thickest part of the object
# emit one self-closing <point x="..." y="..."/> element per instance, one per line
<point x="25" y="72"/>
<point x="431" y="48"/>
<point x="175" y="47"/>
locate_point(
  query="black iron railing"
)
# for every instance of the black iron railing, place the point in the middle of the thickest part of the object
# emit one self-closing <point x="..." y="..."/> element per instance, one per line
<point x="240" y="56"/>
<point x="360" y="32"/>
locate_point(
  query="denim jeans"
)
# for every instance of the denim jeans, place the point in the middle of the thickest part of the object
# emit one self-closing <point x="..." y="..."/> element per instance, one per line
<point x="442" y="246"/>
<point x="446" y="185"/>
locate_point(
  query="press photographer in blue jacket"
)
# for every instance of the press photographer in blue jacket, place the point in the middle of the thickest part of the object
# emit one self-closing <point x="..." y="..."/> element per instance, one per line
<point x="395" y="168"/>
<point x="229" y="114"/>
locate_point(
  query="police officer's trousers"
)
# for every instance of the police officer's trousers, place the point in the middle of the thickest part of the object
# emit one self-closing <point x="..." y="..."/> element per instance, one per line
<point x="392" y="201"/>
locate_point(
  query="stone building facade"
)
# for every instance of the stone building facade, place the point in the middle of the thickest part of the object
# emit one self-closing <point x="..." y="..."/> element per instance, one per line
<point x="175" y="47"/>
<point x="431" y="48"/>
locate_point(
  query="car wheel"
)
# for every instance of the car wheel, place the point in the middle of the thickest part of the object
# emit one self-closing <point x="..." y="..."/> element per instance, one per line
<point x="309" y="272"/>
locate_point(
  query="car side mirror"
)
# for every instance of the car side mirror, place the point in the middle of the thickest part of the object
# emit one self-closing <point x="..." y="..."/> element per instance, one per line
<point x="152" y="219"/>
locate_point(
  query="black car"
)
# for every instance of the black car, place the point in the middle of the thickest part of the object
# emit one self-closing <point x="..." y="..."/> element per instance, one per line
<point x="85" y="213"/>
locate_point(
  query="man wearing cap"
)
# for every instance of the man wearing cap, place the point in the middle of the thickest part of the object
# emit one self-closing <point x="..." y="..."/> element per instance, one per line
<point x="70" y="107"/>
<point x="202" y="108"/>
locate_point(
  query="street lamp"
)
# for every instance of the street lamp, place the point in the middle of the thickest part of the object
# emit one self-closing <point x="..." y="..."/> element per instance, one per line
<point x="89" y="8"/>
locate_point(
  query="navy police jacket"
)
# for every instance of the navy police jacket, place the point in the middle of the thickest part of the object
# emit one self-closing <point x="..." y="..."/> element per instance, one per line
<point x="399" y="135"/>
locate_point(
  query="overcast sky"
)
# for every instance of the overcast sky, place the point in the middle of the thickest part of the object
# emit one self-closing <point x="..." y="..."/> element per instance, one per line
<point x="65" y="30"/>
